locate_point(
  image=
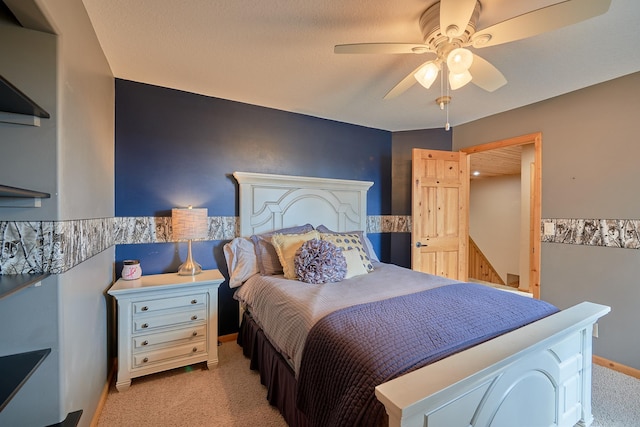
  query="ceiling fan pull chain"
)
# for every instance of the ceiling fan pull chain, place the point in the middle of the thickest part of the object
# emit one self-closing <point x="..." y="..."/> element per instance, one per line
<point x="447" y="126"/>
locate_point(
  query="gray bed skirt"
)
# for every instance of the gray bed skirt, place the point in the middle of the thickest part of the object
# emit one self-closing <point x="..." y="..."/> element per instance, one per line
<point x="275" y="373"/>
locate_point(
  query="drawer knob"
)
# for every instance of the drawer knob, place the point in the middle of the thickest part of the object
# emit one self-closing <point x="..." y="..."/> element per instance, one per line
<point x="145" y="360"/>
<point x="145" y="308"/>
<point x="194" y="317"/>
<point x="194" y="334"/>
<point x="145" y="342"/>
<point x="145" y="325"/>
<point x="194" y="301"/>
<point x="194" y="349"/>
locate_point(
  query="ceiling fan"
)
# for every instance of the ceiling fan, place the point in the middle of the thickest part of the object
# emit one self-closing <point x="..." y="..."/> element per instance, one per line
<point x="449" y="28"/>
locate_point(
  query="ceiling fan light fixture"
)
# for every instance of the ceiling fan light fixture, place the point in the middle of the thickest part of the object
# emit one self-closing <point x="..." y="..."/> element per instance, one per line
<point x="459" y="60"/>
<point x="457" y="80"/>
<point x="427" y="74"/>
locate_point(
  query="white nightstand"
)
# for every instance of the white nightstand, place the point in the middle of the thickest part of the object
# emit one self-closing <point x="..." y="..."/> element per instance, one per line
<point x="166" y="321"/>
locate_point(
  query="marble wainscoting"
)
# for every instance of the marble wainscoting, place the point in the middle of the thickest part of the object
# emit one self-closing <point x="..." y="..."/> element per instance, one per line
<point x="51" y="246"/>
<point x="131" y="230"/>
<point x="612" y="233"/>
<point x="24" y="245"/>
<point x="76" y="241"/>
<point x="389" y="224"/>
<point x="57" y="246"/>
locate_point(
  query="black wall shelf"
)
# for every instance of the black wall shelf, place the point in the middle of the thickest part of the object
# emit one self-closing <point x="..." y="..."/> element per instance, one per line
<point x="12" y="100"/>
<point x="13" y="197"/>
<point x="6" y="191"/>
<point x="11" y="283"/>
<point x="15" y="370"/>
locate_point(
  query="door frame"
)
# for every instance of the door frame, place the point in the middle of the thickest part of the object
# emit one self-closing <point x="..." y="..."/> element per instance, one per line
<point x="536" y="196"/>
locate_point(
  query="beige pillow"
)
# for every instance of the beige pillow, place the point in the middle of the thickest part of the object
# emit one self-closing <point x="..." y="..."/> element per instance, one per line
<point x="286" y="246"/>
<point x="354" y="263"/>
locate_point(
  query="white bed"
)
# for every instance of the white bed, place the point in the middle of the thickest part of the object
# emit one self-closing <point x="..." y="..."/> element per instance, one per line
<point x="538" y="375"/>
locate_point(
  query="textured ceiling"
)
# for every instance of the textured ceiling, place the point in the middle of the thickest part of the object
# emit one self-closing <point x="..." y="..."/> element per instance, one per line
<point x="279" y="54"/>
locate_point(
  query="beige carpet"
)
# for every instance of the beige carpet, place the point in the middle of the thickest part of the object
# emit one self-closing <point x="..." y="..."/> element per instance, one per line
<point x="229" y="395"/>
<point x="615" y="400"/>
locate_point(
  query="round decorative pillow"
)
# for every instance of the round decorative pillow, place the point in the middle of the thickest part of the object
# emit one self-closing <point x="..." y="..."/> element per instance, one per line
<point x="320" y="261"/>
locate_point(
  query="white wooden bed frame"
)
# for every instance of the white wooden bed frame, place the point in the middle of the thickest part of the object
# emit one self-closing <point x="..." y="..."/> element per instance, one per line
<point x="538" y="375"/>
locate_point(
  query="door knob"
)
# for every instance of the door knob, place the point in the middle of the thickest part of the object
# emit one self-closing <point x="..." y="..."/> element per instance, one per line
<point x="419" y="244"/>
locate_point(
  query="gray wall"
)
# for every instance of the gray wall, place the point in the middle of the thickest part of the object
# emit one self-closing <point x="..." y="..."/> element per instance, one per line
<point x="590" y="154"/>
<point x="70" y="156"/>
<point x="86" y="190"/>
<point x="87" y="98"/>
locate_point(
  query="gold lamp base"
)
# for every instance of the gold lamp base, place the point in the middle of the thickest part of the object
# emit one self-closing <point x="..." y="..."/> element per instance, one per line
<point x="189" y="267"/>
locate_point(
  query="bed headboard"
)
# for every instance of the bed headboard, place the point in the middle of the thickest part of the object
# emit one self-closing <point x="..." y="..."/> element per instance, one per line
<point x="269" y="202"/>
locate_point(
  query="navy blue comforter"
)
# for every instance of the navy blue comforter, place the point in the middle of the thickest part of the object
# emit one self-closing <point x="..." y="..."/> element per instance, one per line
<point x="350" y="351"/>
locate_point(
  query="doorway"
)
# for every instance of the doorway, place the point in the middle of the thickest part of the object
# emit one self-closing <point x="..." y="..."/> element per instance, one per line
<point x="535" y="179"/>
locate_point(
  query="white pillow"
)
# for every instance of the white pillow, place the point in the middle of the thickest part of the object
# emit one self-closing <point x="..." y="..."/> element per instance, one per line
<point x="241" y="260"/>
<point x="355" y="267"/>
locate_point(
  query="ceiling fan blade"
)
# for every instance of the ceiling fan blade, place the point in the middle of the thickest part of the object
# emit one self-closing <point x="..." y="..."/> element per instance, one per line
<point x="485" y="75"/>
<point x="404" y="84"/>
<point x="381" y="48"/>
<point x="455" y="15"/>
<point x="540" y="21"/>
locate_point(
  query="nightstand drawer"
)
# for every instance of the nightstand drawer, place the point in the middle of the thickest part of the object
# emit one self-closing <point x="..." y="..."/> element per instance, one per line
<point x="143" y="324"/>
<point x="142" y="307"/>
<point x="145" y="341"/>
<point x="151" y="357"/>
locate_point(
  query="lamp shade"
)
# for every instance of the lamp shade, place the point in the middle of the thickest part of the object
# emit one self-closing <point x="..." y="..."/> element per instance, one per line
<point x="459" y="60"/>
<point x="427" y="74"/>
<point x="189" y="223"/>
<point x="456" y="81"/>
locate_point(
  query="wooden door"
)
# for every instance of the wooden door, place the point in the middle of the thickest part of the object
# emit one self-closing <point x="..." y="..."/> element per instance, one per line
<point x="440" y="212"/>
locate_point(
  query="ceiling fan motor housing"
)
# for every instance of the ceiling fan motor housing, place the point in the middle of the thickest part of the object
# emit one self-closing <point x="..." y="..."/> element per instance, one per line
<point x="441" y="43"/>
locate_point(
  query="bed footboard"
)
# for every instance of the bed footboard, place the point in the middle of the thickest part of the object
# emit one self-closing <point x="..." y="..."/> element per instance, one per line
<point x="538" y="375"/>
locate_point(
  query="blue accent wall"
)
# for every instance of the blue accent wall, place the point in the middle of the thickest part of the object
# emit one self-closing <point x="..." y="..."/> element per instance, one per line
<point x="176" y="148"/>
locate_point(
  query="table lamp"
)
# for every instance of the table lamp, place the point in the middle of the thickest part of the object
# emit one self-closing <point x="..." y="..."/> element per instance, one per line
<point x="188" y="224"/>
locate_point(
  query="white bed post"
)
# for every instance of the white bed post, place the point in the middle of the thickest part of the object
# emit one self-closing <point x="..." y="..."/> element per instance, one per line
<point x="586" y="417"/>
